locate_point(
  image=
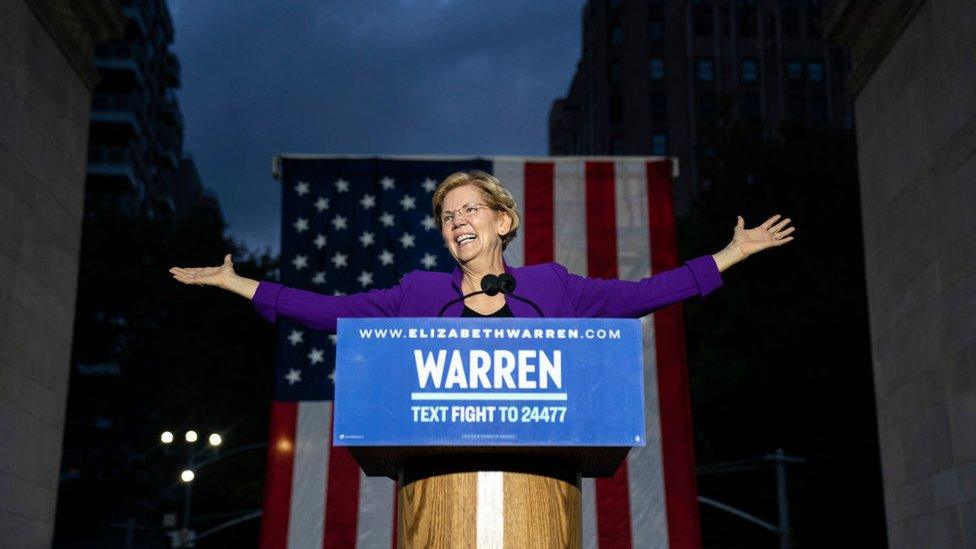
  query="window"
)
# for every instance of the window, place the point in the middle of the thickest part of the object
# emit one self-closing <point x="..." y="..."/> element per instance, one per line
<point x="655" y="31"/>
<point x="659" y="105"/>
<point x="702" y="20"/>
<point x="818" y="109"/>
<point x="751" y="107"/>
<point x="705" y="69"/>
<point x="724" y="21"/>
<point x="815" y="71"/>
<point x="707" y="108"/>
<point x="616" y="110"/>
<point x="813" y="20"/>
<point x="794" y="70"/>
<point x="770" y="27"/>
<point x="615" y="72"/>
<point x="797" y="108"/>
<point x="616" y="36"/>
<point x="745" y="14"/>
<point x="659" y="144"/>
<point x="750" y="70"/>
<point x="657" y="68"/>
<point x="791" y="20"/>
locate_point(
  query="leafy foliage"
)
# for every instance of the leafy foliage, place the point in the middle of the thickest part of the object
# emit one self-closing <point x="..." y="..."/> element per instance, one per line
<point x="780" y="357"/>
<point x="151" y="354"/>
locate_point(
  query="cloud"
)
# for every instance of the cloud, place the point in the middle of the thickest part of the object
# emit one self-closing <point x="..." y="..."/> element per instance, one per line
<point x="369" y="77"/>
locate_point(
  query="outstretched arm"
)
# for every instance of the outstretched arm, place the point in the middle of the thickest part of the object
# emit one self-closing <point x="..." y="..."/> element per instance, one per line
<point x="273" y="301"/>
<point x="222" y="276"/>
<point x="746" y="242"/>
<point x="611" y="298"/>
<point x="698" y="277"/>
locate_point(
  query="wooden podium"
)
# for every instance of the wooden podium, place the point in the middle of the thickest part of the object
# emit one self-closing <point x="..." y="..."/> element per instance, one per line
<point x="489" y="496"/>
<point x="513" y="480"/>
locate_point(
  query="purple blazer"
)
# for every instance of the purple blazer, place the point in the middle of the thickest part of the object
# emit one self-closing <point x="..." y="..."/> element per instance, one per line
<point x="554" y="289"/>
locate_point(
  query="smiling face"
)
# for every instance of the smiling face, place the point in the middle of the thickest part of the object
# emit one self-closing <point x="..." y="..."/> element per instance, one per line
<point x="477" y="236"/>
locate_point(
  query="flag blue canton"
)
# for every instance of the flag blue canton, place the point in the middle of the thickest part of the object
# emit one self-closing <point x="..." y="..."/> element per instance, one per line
<point x="351" y="225"/>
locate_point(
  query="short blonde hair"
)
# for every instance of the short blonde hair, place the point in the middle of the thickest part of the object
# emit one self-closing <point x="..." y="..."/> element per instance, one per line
<point x="496" y="196"/>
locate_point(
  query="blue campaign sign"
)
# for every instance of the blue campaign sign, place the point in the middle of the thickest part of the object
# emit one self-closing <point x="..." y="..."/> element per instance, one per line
<point x="489" y="382"/>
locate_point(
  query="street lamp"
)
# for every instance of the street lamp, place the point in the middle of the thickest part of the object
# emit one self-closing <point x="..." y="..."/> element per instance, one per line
<point x="193" y="453"/>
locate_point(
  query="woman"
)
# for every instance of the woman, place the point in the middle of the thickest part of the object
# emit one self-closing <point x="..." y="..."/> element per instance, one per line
<point x="478" y="218"/>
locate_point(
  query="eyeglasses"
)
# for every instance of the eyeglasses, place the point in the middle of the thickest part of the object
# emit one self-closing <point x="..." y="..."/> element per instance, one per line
<point x="467" y="211"/>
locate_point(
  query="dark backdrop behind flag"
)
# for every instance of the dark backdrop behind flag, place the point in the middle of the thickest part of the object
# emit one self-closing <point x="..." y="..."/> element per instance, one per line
<point x="352" y="224"/>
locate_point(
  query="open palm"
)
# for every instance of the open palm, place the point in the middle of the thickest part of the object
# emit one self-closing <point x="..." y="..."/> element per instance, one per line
<point x="205" y="276"/>
<point x="769" y="234"/>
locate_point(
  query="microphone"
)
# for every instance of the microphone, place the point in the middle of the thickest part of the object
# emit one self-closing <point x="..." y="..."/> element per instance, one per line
<point x="491" y="285"/>
<point x="506" y="285"/>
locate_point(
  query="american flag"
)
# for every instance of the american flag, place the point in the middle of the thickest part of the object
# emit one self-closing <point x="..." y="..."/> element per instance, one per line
<point x="351" y="224"/>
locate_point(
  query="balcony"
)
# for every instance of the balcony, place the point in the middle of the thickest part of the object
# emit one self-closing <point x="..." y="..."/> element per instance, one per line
<point x="169" y="146"/>
<point x="126" y="59"/>
<point x="171" y="111"/>
<point x="138" y="16"/>
<point x="98" y="369"/>
<point x="114" y="169"/>
<point x="171" y="69"/>
<point x="124" y="113"/>
<point x="165" y="205"/>
<point x="164" y="20"/>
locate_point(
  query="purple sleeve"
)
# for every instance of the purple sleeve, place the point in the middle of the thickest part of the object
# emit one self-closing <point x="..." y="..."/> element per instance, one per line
<point x="593" y="297"/>
<point x="318" y="311"/>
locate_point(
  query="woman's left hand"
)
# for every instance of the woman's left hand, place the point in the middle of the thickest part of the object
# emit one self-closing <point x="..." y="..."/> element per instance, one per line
<point x="746" y="242"/>
<point x="767" y="235"/>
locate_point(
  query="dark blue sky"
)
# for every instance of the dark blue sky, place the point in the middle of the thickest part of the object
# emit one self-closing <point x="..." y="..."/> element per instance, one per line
<point x="362" y="77"/>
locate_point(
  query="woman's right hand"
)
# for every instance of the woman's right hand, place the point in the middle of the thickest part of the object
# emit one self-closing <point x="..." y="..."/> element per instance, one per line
<point x="220" y="276"/>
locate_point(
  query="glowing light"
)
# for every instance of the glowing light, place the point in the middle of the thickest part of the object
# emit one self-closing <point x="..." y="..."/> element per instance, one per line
<point x="166" y="437"/>
<point x="191" y="436"/>
<point x="284" y="445"/>
<point x="187" y="475"/>
<point x="215" y="439"/>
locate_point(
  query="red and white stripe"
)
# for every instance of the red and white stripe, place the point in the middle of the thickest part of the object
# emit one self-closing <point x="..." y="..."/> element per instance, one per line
<point x="614" y="218"/>
<point x="315" y="494"/>
<point x="609" y="218"/>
